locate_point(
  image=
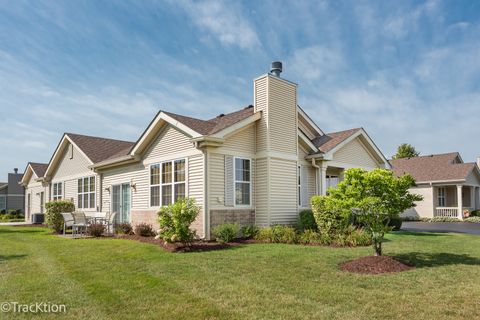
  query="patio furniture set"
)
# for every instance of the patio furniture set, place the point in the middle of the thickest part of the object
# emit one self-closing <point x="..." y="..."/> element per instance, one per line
<point x="80" y="222"/>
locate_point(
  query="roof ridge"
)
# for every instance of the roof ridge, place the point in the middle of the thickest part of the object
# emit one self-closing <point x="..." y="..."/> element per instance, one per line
<point x="96" y="137"/>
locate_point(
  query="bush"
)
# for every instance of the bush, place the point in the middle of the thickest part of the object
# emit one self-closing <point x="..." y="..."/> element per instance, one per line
<point x="395" y="223"/>
<point x="474" y="219"/>
<point x="329" y="217"/>
<point x="53" y="217"/>
<point x="144" y="230"/>
<point x="475" y="213"/>
<point x="310" y="237"/>
<point x="250" y="232"/>
<point x="3" y="211"/>
<point x="443" y="219"/>
<point x="306" y="220"/>
<point x="353" y="237"/>
<point x="96" y="229"/>
<point x="226" y="233"/>
<point x="175" y="221"/>
<point x="278" y="234"/>
<point x="124" y="228"/>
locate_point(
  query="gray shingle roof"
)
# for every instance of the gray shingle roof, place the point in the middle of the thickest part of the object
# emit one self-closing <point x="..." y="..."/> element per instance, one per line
<point x="436" y="167"/>
<point x="39" y="168"/>
<point x="330" y="140"/>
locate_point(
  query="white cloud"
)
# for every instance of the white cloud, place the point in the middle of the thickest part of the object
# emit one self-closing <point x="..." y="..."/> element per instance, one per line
<point x="316" y="62"/>
<point x="224" y="21"/>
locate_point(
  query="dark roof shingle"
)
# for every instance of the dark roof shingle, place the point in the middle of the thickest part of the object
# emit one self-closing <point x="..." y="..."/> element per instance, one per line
<point x="39" y="168"/>
<point x="330" y="140"/>
<point x="206" y="127"/>
<point x="437" y="167"/>
<point x="100" y="149"/>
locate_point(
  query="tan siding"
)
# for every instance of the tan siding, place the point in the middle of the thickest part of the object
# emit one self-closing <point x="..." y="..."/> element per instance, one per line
<point x="312" y="182"/>
<point x="424" y="209"/>
<point x="261" y="194"/>
<point x="195" y="188"/>
<point x="283" y="191"/>
<point x="67" y="167"/>
<point x="355" y="154"/>
<point x="283" y="116"/>
<point x="242" y="142"/>
<point x="33" y="188"/>
<point x="169" y="141"/>
<point x="261" y="104"/>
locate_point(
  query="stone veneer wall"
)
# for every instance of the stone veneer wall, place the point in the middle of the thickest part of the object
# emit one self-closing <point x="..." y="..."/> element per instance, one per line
<point x="240" y="216"/>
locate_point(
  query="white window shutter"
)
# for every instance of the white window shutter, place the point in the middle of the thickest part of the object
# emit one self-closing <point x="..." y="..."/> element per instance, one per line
<point x="304" y="186"/>
<point x="229" y="192"/>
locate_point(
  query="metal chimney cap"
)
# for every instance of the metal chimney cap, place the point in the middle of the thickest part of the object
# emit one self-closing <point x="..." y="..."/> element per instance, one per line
<point x="15" y="170"/>
<point x="276" y="68"/>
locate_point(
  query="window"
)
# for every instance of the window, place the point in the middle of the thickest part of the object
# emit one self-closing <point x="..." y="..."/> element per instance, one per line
<point x="3" y="203"/>
<point x="86" y="193"/>
<point x="29" y="204"/>
<point x="441" y="197"/>
<point x="57" y="192"/>
<point x="299" y="182"/>
<point x="167" y="182"/>
<point x="332" y="181"/>
<point x="242" y="181"/>
<point x="42" y="201"/>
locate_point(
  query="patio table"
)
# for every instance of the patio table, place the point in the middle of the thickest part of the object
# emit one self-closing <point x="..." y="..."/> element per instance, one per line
<point x="97" y="217"/>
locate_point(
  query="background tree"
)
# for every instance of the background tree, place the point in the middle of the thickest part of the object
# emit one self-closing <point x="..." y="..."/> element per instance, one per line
<point x="406" y="150"/>
<point x="374" y="197"/>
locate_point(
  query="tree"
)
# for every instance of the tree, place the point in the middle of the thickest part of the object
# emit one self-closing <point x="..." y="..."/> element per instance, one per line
<point x="374" y="197"/>
<point x="406" y="150"/>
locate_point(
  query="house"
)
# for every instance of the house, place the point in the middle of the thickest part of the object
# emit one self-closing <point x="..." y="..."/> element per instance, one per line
<point x="448" y="185"/>
<point x="35" y="188"/>
<point x="258" y="165"/>
<point x="11" y="193"/>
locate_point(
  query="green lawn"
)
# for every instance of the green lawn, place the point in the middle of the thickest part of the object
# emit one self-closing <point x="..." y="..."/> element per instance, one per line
<point x="122" y="279"/>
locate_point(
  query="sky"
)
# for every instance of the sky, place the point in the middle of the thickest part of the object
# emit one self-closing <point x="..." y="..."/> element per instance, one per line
<point x="406" y="71"/>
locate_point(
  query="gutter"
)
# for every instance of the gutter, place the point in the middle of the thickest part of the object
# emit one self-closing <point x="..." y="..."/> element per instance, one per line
<point x="207" y="141"/>
<point x="128" y="159"/>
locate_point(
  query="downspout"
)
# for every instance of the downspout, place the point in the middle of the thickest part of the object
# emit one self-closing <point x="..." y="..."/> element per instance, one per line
<point x="206" y="216"/>
<point x="317" y="185"/>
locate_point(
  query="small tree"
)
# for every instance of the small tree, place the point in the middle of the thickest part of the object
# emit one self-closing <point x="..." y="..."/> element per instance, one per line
<point x="53" y="216"/>
<point x="175" y="221"/>
<point x="374" y="197"/>
<point x="406" y="150"/>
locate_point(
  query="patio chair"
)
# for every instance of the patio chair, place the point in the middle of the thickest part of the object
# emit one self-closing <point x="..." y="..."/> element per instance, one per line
<point x="80" y="223"/>
<point x="67" y="220"/>
<point x="110" y="223"/>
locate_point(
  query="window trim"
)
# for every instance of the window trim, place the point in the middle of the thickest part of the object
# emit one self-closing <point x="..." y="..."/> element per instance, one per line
<point x="442" y="196"/>
<point x="58" y="196"/>
<point x="299" y="185"/>
<point x="235" y="182"/>
<point x="160" y="184"/>
<point x="89" y="192"/>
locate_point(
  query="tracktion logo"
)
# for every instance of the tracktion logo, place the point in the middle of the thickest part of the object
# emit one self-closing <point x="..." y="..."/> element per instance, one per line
<point x="36" y="307"/>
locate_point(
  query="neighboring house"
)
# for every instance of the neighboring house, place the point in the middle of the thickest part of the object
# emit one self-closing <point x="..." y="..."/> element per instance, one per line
<point x="12" y="194"/>
<point x="258" y="165"/>
<point x="35" y="188"/>
<point x="448" y="185"/>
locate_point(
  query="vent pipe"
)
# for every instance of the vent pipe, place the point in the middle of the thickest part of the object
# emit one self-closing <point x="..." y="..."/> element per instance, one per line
<point x="276" y="68"/>
<point x="15" y="170"/>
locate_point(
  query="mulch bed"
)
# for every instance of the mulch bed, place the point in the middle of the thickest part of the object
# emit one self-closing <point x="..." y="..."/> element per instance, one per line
<point x="374" y="265"/>
<point x="197" y="246"/>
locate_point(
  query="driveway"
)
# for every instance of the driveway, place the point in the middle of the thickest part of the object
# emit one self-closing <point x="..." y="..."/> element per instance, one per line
<point x="458" y="227"/>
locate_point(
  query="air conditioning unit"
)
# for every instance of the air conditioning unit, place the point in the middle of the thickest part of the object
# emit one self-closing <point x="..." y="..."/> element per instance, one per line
<point x="38" y="218"/>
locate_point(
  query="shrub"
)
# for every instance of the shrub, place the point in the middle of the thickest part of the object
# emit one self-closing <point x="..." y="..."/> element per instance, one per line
<point x="474" y="219"/>
<point x="124" y="228"/>
<point x="175" y="221"/>
<point x="96" y="229"/>
<point x="443" y="219"/>
<point x="3" y="211"/>
<point x="278" y="234"/>
<point x="53" y="216"/>
<point x="144" y="230"/>
<point x="329" y="217"/>
<point x="306" y="220"/>
<point x="250" y="232"/>
<point x="475" y="213"/>
<point x="310" y="237"/>
<point x="395" y="223"/>
<point x="226" y="233"/>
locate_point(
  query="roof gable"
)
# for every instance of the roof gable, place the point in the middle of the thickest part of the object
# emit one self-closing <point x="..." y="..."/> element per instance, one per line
<point x="35" y="170"/>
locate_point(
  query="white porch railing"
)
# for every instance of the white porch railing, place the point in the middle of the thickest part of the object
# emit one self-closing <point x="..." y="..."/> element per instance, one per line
<point x="451" y="212"/>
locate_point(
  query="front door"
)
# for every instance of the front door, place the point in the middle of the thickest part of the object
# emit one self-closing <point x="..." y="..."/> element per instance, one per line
<point x="121" y="202"/>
